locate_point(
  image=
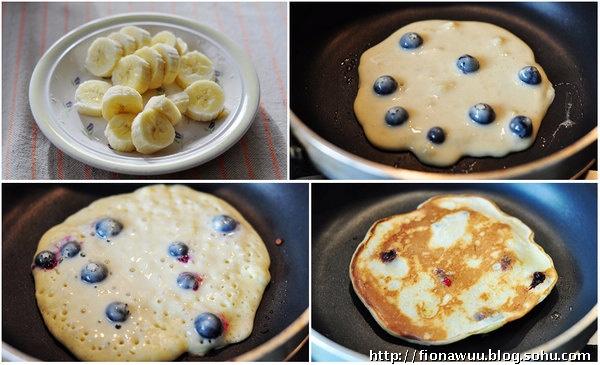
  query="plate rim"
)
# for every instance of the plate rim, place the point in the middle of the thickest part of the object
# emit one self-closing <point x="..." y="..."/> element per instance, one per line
<point x="249" y="101"/>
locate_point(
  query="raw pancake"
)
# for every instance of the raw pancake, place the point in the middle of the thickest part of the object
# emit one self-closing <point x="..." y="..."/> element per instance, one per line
<point x="459" y="267"/>
<point x="436" y="93"/>
<point x="234" y="269"/>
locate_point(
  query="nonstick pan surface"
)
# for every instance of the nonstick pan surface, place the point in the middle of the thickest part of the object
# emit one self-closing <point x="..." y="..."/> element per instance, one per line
<point x="327" y="40"/>
<point x="274" y="210"/>
<point x="563" y="217"/>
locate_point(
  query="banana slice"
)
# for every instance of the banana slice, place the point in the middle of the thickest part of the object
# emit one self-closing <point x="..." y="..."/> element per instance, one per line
<point x="181" y="100"/>
<point x="148" y="94"/>
<point x="166" y="107"/>
<point x="102" y="56"/>
<point x="206" y="100"/>
<point x="118" y="132"/>
<point x="171" y="58"/>
<point x="181" y="46"/>
<point x="157" y="64"/>
<point x="127" y="42"/>
<point x="88" y="97"/>
<point x="151" y="131"/>
<point x="177" y="95"/>
<point x="121" y="100"/>
<point x="194" y="66"/>
<point x="141" y="36"/>
<point x="171" y="88"/>
<point x="133" y="71"/>
<point x="165" y="37"/>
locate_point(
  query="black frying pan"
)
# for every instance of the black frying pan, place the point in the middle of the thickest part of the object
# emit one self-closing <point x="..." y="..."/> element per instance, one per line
<point x="274" y="210"/>
<point x="563" y="217"/>
<point x="327" y="39"/>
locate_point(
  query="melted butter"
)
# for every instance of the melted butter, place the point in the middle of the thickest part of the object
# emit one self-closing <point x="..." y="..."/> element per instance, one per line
<point x="436" y="94"/>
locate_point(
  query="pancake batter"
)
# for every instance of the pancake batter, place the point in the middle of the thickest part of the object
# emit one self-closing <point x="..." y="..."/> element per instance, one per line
<point x="446" y="89"/>
<point x="150" y="275"/>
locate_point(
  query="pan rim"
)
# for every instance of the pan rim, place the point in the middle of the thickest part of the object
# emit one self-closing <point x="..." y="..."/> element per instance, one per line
<point x="384" y="171"/>
<point x="281" y="338"/>
<point x="347" y="354"/>
<point x="12" y="354"/>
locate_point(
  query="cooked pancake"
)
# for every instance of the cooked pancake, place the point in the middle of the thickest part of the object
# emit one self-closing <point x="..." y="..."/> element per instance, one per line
<point x="151" y="275"/>
<point x="455" y="267"/>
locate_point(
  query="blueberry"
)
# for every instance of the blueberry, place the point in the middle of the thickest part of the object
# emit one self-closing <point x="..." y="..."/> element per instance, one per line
<point x="70" y="249"/>
<point x="410" y="40"/>
<point x="467" y="64"/>
<point x="108" y="227"/>
<point x="530" y="75"/>
<point x="178" y="249"/>
<point x="521" y="126"/>
<point x="208" y="325"/>
<point x="505" y="263"/>
<point x="385" y="85"/>
<point x="538" y="278"/>
<point x="395" y="116"/>
<point x="45" y="260"/>
<point x="388" y="256"/>
<point x="117" y="312"/>
<point x="187" y="280"/>
<point x="482" y="113"/>
<point x="436" y="135"/>
<point x="224" y="223"/>
<point x="93" y="272"/>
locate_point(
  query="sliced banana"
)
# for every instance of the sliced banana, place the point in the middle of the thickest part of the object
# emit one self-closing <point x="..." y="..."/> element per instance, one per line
<point x="133" y="71"/>
<point x="88" y="97"/>
<point x="102" y="56"/>
<point x="181" y="46"/>
<point x="194" y="66"/>
<point x="166" y="107"/>
<point x="177" y="95"/>
<point x="206" y="100"/>
<point x="148" y="94"/>
<point x="171" y="58"/>
<point x="151" y="131"/>
<point x="141" y="36"/>
<point x="127" y="42"/>
<point x="118" y="132"/>
<point x="121" y="99"/>
<point x="171" y="88"/>
<point x="139" y="116"/>
<point x="165" y="37"/>
<point x="157" y="64"/>
<point x="181" y="100"/>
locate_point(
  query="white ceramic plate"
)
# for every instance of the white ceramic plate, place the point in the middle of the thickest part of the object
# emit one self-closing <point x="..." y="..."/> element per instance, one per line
<point x="61" y="69"/>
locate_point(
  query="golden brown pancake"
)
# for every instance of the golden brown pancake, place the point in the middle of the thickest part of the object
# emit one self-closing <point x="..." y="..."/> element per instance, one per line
<point x="455" y="267"/>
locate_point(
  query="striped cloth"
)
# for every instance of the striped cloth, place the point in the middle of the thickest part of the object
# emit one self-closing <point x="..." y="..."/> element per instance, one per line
<point x="29" y="29"/>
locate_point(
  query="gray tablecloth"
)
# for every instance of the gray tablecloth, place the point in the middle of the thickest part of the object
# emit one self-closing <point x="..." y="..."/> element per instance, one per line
<point x="29" y="29"/>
